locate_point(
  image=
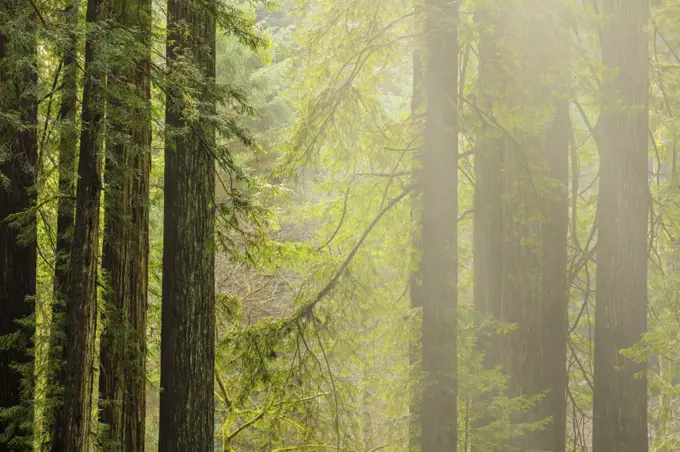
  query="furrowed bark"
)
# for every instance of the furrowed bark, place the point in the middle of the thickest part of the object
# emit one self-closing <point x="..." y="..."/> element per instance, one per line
<point x="122" y="380"/>
<point x="188" y="314"/>
<point x="73" y="423"/>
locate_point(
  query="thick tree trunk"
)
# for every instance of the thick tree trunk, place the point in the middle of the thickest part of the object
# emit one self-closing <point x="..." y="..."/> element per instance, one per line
<point x="521" y="211"/>
<point x="73" y="424"/>
<point x="122" y="381"/>
<point x="620" y="399"/>
<point x="439" y="265"/>
<point x="18" y="159"/>
<point x="188" y="316"/>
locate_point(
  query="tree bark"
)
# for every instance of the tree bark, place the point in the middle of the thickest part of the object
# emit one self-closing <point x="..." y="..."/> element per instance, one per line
<point x="438" y="415"/>
<point x="620" y="398"/>
<point x="415" y="278"/>
<point x="73" y="424"/>
<point x="68" y="156"/>
<point x="521" y="210"/>
<point x="122" y="380"/>
<point x="488" y="205"/>
<point x="188" y="314"/>
<point x="18" y="194"/>
<point x="553" y="334"/>
<point x="488" y="218"/>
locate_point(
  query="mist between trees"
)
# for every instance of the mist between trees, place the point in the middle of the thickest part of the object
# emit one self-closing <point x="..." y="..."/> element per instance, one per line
<point x="358" y="225"/>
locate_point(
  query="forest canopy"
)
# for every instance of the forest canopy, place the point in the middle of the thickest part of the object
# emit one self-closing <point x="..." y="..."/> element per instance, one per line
<point x="357" y="225"/>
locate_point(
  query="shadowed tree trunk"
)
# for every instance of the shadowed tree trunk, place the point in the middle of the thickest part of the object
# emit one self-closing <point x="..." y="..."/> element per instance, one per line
<point x="73" y="424"/>
<point x="68" y="156"/>
<point x="620" y="399"/>
<point x="188" y="316"/>
<point x="439" y="241"/>
<point x="122" y="382"/>
<point x="18" y="159"/>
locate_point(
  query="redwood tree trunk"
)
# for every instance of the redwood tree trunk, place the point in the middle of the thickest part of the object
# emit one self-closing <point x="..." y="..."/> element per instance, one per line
<point x="553" y="334"/>
<point x="488" y="206"/>
<point x="73" y="424"/>
<point x="521" y="210"/>
<point x="488" y="217"/>
<point x="68" y="156"/>
<point x="188" y="306"/>
<point x="620" y="399"/>
<point x="439" y="265"/>
<point x="122" y="381"/>
<point x="18" y="159"/>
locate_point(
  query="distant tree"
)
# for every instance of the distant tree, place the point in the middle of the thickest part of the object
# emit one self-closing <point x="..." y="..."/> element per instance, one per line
<point x="521" y="211"/>
<point x="535" y="222"/>
<point x="488" y="217"/>
<point x="439" y="241"/>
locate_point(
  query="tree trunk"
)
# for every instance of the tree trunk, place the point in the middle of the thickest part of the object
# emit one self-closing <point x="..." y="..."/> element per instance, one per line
<point x="521" y="210"/>
<point x="553" y="334"/>
<point x="188" y="315"/>
<point x="72" y="428"/>
<point x="488" y="206"/>
<point x="415" y="278"/>
<point x="620" y="399"/>
<point x="122" y="380"/>
<point x="438" y="415"/>
<point x="68" y="156"/>
<point x="18" y="194"/>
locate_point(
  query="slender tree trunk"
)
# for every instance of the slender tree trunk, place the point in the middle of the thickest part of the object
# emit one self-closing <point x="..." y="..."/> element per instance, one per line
<point x="438" y="415"/>
<point x="488" y="205"/>
<point x="488" y="219"/>
<point x="620" y="399"/>
<point x="18" y="194"/>
<point x="68" y="156"/>
<point x="73" y="425"/>
<point x="122" y="382"/>
<point x="415" y="279"/>
<point x="188" y="316"/>
<point x="553" y="334"/>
